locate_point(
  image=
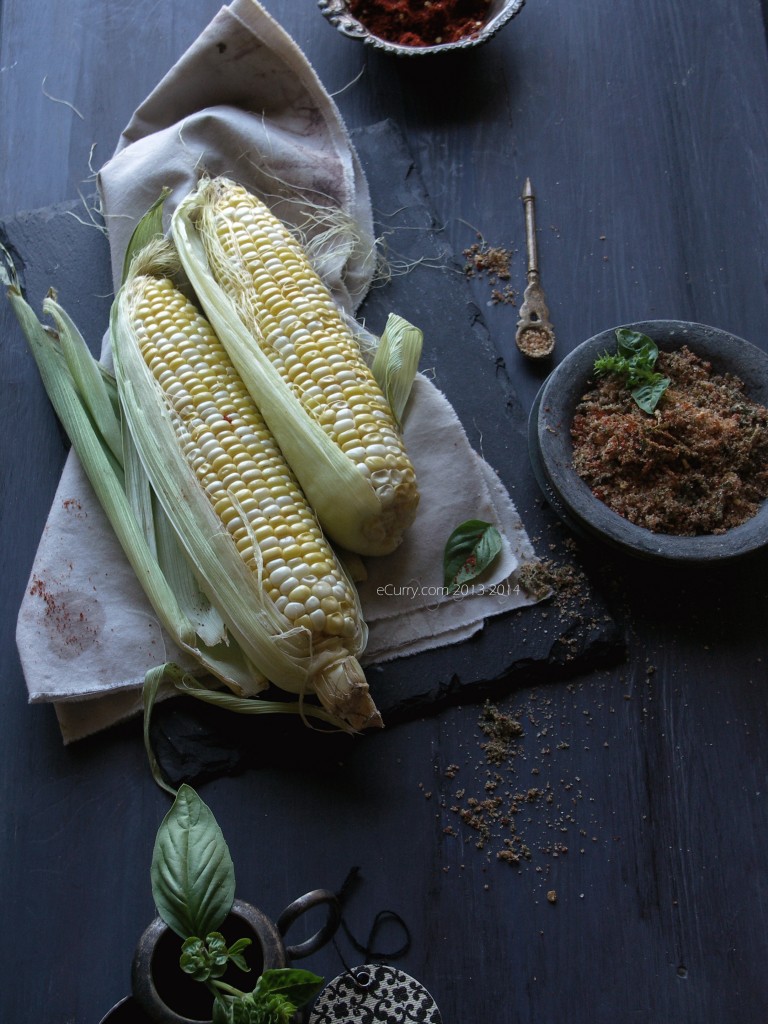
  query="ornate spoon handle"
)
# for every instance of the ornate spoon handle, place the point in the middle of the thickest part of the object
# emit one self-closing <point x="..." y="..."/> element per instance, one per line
<point x="535" y="335"/>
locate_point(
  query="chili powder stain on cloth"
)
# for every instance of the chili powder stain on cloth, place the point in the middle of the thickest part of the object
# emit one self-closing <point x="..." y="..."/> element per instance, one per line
<point x="426" y="23"/>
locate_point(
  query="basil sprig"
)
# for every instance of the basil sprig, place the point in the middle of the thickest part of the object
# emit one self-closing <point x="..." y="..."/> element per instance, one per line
<point x="635" y="359"/>
<point x="193" y="885"/>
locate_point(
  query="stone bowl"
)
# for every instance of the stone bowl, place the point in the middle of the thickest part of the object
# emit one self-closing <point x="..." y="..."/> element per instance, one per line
<point x="338" y="14"/>
<point x="551" y="449"/>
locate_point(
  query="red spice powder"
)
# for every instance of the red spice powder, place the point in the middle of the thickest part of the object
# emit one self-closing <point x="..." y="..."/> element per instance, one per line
<point x="421" y="22"/>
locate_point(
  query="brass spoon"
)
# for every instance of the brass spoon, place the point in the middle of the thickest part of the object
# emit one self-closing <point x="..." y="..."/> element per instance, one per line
<point x="535" y="336"/>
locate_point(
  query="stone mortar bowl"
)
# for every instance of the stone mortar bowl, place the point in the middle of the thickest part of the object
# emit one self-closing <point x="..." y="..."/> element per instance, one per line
<point x="337" y="13"/>
<point x="551" y="448"/>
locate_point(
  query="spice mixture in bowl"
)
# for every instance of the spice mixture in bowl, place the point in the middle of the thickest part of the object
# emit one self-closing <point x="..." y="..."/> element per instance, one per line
<point x="663" y="450"/>
<point x="412" y="27"/>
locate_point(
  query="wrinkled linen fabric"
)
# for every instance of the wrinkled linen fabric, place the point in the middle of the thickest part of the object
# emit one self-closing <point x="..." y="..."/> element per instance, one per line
<point x="244" y="102"/>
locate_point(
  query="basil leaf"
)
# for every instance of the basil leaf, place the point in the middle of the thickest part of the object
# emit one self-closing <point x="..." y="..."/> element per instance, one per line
<point x="224" y="1008"/>
<point x="647" y="396"/>
<point x="295" y="986"/>
<point x="193" y="878"/>
<point x="632" y="344"/>
<point x="235" y="953"/>
<point x="469" y="551"/>
<point x="635" y="358"/>
<point x="218" y="954"/>
<point x="194" y="958"/>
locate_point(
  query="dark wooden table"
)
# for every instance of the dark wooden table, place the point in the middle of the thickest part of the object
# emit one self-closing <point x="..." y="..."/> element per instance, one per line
<point x="644" y="895"/>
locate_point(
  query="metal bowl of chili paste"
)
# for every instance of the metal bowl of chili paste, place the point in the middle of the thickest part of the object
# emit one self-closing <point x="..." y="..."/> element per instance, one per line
<point x="551" y="445"/>
<point x="410" y="28"/>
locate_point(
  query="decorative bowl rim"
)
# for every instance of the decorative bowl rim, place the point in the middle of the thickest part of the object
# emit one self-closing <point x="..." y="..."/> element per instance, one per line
<point x="337" y="13"/>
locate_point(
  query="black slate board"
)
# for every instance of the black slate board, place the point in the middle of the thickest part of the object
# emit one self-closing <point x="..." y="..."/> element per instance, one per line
<point x="558" y="638"/>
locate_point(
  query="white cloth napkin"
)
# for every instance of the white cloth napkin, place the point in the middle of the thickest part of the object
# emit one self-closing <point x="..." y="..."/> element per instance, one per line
<point x="243" y="101"/>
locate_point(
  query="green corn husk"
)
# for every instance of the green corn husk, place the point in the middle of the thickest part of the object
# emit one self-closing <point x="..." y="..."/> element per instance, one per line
<point x="88" y="417"/>
<point x="396" y="361"/>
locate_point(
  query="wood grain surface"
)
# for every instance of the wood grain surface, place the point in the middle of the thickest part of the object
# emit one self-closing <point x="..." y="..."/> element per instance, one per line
<point x="642" y="812"/>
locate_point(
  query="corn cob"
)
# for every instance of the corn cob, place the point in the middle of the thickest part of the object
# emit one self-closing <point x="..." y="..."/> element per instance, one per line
<point x="237" y="508"/>
<point x="295" y="351"/>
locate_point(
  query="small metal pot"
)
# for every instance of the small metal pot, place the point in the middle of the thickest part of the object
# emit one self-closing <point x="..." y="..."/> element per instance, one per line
<point x="167" y="996"/>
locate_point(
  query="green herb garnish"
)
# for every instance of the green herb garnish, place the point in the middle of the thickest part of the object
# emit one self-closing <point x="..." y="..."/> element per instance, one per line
<point x="635" y="359"/>
<point x="470" y="549"/>
<point x="193" y="884"/>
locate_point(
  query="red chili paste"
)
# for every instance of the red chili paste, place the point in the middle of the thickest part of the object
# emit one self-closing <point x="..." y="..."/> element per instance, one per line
<point x="421" y="22"/>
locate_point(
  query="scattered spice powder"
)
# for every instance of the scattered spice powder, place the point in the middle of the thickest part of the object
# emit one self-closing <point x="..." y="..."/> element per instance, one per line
<point x="501" y="729"/>
<point x="697" y="465"/>
<point x="421" y="22"/>
<point x="519" y="789"/>
<point x="567" y="587"/>
<point x="565" y="581"/>
<point x="493" y="262"/>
